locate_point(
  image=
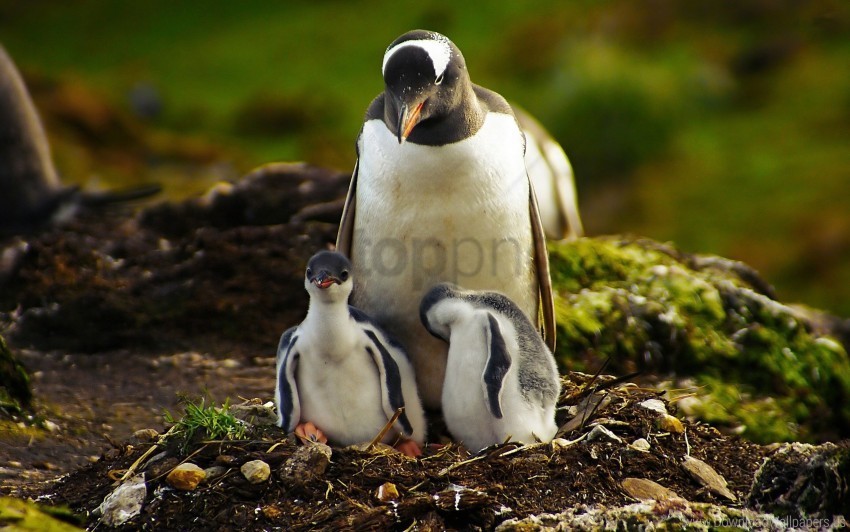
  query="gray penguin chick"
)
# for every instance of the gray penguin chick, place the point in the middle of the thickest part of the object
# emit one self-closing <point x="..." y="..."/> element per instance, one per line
<point x="492" y="343"/>
<point x="340" y="372"/>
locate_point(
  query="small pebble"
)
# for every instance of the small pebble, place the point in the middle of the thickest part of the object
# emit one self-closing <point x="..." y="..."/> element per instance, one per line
<point x="671" y="424"/>
<point x="225" y="460"/>
<point x="641" y="444"/>
<point x="306" y="463"/>
<point x="185" y="477"/>
<point x="656" y="405"/>
<point x="387" y="492"/>
<point x="213" y="472"/>
<point x="256" y="471"/>
<point x="145" y="435"/>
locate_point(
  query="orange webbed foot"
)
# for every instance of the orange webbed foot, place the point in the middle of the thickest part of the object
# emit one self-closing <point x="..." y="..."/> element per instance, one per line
<point x="309" y="432"/>
<point x="409" y="448"/>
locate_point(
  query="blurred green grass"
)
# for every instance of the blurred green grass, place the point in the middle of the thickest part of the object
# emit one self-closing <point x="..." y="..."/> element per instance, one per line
<point x="724" y="128"/>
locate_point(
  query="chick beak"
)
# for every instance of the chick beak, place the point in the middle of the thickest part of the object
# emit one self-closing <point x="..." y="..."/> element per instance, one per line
<point x="407" y="120"/>
<point x="324" y="280"/>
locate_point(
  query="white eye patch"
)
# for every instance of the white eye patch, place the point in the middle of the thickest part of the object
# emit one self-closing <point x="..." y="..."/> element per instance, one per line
<point x="438" y="50"/>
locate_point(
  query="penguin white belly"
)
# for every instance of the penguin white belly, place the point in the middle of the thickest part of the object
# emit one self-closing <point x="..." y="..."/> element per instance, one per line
<point x="341" y="397"/>
<point x="427" y="214"/>
<point x="523" y="421"/>
<point x="464" y="404"/>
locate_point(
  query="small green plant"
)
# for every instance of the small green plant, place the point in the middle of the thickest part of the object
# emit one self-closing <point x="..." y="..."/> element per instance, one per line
<point x="203" y="422"/>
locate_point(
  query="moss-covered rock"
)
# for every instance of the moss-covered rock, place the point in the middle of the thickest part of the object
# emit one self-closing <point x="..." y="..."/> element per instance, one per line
<point x="676" y="514"/>
<point x="804" y="482"/>
<point x="15" y="392"/>
<point x="20" y="515"/>
<point x="756" y="365"/>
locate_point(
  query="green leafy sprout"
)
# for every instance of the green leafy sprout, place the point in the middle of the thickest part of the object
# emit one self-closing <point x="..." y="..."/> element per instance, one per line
<point x="200" y="421"/>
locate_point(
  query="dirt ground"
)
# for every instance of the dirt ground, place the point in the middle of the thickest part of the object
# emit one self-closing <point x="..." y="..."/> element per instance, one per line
<point x="445" y="489"/>
<point x="98" y="400"/>
<point x="115" y="316"/>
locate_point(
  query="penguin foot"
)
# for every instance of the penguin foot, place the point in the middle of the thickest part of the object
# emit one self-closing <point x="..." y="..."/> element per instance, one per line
<point x="409" y="448"/>
<point x="309" y="432"/>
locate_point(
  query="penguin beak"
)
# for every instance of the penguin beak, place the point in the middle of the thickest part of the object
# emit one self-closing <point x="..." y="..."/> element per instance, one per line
<point x="407" y="120"/>
<point x="324" y="280"/>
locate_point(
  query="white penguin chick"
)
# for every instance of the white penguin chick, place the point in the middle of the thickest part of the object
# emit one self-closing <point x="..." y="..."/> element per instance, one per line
<point x="493" y="343"/>
<point x="339" y="376"/>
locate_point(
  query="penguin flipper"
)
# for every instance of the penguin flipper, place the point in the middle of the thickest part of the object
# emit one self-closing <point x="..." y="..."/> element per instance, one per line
<point x="565" y="188"/>
<point x="392" y="397"/>
<point x="286" y="394"/>
<point x="345" y="236"/>
<point x="541" y="263"/>
<point x="498" y="364"/>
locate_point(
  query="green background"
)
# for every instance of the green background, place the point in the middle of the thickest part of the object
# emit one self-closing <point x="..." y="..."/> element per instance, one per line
<point x="723" y="127"/>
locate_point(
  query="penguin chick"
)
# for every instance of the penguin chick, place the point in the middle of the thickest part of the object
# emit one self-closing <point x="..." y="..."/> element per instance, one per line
<point x="341" y="372"/>
<point x="492" y="342"/>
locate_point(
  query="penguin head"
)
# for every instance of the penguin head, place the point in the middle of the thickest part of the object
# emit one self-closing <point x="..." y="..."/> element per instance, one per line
<point x="328" y="276"/>
<point x="425" y="76"/>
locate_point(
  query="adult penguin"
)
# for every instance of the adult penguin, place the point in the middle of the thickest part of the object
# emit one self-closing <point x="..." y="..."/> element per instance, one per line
<point x="440" y="193"/>
<point x="30" y="191"/>
<point x="31" y="194"/>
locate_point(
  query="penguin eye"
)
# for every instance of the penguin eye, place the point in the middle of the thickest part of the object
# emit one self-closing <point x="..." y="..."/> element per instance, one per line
<point x="344" y="275"/>
<point x="309" y="272"/>
<point x="439" y="79"/>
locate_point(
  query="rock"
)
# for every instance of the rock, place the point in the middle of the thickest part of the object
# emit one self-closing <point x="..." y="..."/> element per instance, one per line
<point x="708" y="477"/>
<point x="255" y="412"/>
<point x="185" y="477"/>
<point x="387" y="492"/>
<point x="674" y="514"/>
<point x="213" y="472"/>
<point x="256" y="471"/>
<point x="670" y="424"/>
<point x="226" y="460"/>
<point x="656" y="405"/>
<point x="801" y="480"/>
<point x="160" y="465"/>
<point x="756" y="363"/>
<point x="20" y="515"/>
<point x="307" y="463"/>
<point x="645" y="489"/>
<point x="125" y="502"/>
<point x="600" y="433"/>
<point x="640" y="444"/>
<point x="145" y="435"/>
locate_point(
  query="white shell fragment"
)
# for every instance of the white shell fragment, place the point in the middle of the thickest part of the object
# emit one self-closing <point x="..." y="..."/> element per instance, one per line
<point x="125" y="502"/>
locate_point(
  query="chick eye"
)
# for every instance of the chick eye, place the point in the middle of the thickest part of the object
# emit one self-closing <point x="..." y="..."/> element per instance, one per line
<point x="439" y="79"/>
<point x="344" y="275"/>
<point x="309" y="272"/>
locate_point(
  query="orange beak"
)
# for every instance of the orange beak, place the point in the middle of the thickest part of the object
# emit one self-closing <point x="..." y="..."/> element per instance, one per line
<point x="407" y="120"/>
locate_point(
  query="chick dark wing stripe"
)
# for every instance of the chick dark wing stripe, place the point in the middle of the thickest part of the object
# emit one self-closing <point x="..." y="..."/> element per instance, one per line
<point x="390" y="380"/>
<point x="498" y="364"/>
<point x="290" y="407"/>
